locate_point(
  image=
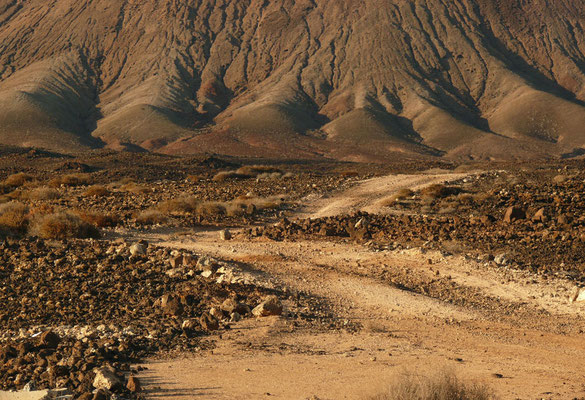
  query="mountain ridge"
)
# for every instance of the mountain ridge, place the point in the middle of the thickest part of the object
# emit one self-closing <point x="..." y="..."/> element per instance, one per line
<point x="468" y="79"/>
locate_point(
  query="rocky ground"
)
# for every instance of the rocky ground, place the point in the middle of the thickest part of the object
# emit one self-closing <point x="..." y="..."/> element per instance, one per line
<point x="495" y="245"/>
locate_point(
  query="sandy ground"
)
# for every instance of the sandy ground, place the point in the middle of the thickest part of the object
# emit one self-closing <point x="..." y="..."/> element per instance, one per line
<point x="534" y="352"/>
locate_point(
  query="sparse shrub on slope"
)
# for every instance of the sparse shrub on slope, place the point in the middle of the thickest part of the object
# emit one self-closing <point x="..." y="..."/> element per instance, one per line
<point x="42" y="193"/>
<point x="439" y="191"/>
<point x="96" y="191"/>
<point x="249" y="171"/>
<point x="150" y="217"/>
<point x="440" y="386"/>
<point x="255" y="170"/>
<point x="18" y="180"/>
<point x="63" y="225"/>
<point x="227" y="175"/>
<point x="14" y="218"/>
<point x="402" y="194"/>
<point x="98" y="219"/>
<point x="134" y="188"/>
<point x="181" y="205"/>
<point x="71" y="180"/>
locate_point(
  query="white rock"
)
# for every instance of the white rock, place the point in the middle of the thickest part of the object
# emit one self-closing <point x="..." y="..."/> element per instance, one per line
<point x="270" y="306"/>
<point x="579" y="295"/>
<point x="105" y="378"/>
<point x="225" y="234"/>
<point x="137" y="249"/>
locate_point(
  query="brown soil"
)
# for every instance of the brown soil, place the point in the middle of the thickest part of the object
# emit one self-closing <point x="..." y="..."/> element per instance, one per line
<point x="413" y="308"/>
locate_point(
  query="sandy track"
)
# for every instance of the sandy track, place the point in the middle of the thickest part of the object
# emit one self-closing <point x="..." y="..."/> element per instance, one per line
<point x="536" y="349"/>
<point x="369" y="194"/>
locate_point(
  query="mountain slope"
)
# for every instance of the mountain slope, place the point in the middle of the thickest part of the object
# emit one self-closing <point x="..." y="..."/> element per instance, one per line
<point x="461" y="78"/>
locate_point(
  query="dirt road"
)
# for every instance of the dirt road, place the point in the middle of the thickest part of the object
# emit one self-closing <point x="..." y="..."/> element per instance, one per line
<point x="517" y="333"/>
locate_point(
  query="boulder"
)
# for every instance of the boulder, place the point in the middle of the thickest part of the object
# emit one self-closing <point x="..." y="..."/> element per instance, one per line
<point x="270" y="306"/>
<point x="230" y="306"/>
<point x="106" y="378"/>
<point x="190" y="325"/>
<point x="50" y="340"/>
<point x="133" y="385"/>
<point x="514" y="214"/>
<point x="540" y="216"/>
<point x="176" y="261"/>
<point x="209" y="322"/>
<point x="579" y="295"/>
<point x="137" y="249"/>
<point x="225" y="234"/>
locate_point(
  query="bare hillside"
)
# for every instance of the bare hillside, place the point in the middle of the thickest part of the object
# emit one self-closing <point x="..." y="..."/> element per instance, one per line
<point x="348" y="79"/>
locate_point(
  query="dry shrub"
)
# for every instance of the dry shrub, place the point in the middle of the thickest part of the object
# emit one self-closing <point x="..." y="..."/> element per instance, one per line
<point x="439" y="386"/>
<point x="42" y="193"/>
<point x="14" y="218"/>
<point x="439" y="191"/>
<point x="181" y="205"/>
<point x="402" y="194"/>
<point x="269" y="175"/>
<point x="71" y="180"/>
<point x="96" y="191"/>
<point x="63" y="225"/>
<point x="227" y="175"/>
<point x="268" y="203"/>
<point x="211" y="209"/>
<point x="17" y="180"/>
<point x="349" y="174"/>
<point x="247" y="172"/>
<point x="120" y="183"/>
<point x="98" y="219"/>
<point x="150" y="217"/>
<point x="194" y="178"/>
<point x="465" y="198"/>
<point x="134" y="188"/>
<point x="237" y="209"/>
<point x="255" y="170"/>
<point x="482" y="197"/>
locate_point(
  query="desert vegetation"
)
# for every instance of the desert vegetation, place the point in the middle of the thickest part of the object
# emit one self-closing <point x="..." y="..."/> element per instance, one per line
<point x="71" y="180"/>
<point x="442" y="385"/>
<point x="251" y="171"/>
<point x="62" y="225"/>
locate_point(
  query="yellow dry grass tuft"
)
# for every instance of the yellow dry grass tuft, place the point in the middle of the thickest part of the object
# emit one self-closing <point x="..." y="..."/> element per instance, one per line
<point x="14" y="218"/>
<point x="150" y="217"/>
<point x="439" y="386"/>
<point x="63" y="225"/>
<point x="71" y="180"/>
<point x="96" y="191"/>
<point x="17" y="180"/>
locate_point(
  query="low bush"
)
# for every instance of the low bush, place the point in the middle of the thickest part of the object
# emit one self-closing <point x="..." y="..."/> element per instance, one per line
<point x="255" y="170"/>
<point x="42" y="193"/>
<point x="150" y="217"/>
<point x="440" y="386"/>
<point x="181" y="205"/>
<point x="211" y="209"/>
<point x="18" y="180"/>
<point x="14" y="218"/>
<point x="63" y="225"/>
<point x="96" y="191"/>
<point x="98" y="219"/>
<point x="71" y="180"/>
<point x="228" y="175"/>
<point x="249" y="171"/>
<point x="134" y="188"/>
<point x="439" y="191"/>
<point x="402" y="194"/>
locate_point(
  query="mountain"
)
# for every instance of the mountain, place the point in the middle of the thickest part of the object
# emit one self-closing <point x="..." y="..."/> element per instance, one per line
<point x="347" y="79"/>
